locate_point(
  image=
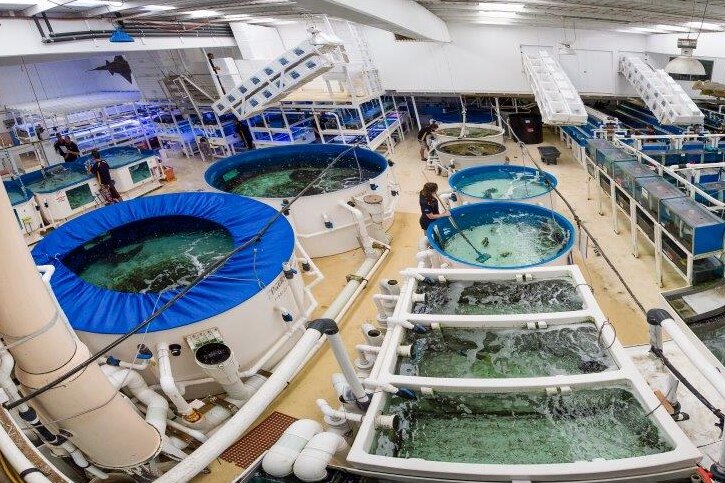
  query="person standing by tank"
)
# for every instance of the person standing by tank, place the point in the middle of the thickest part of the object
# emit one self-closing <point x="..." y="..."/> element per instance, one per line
<point x="102" y="171"/>
<point x="425" y="137"/>
<point x="429" y="208"/>
<point x="72" y="151"/>
<point x="59" y="146"/>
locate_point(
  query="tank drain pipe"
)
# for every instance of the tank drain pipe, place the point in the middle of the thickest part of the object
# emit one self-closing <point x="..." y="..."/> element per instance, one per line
<point x="20" y="463"/>
<point x="365" y="239"/>
<point x="403" y="392"/>
<point x="384" y="310"/>
<point x="168" y="385"/>
<point x="241" y="421"/>
<point x="424" y="258"/>
<point x="217" y="360"/>
<point x="311" y="464"/>
<point x="336" y="417"/>
<point x="156" y="405"/>
<point x="361" y="397"/>
<point x="373" y="335"/>
<point x="314" y="270"/>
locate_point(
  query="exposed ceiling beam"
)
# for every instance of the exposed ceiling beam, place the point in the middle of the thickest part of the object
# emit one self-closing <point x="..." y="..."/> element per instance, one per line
<point x="106" y="9"/>
<point x="404" y="17"/>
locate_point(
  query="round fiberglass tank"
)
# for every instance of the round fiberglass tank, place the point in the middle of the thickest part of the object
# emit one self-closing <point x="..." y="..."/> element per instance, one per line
<point x="503" y="182"/>
<point x="323" y="225"/>
<point x="456" y="130"/>
<point x="502" y="234"/>
<point x="26" y="210"/>
<point x="114" y="266"/>
<point x="462" y="153"/>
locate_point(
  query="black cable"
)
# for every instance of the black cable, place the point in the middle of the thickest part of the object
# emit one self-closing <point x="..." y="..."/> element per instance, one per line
<point x="661" y="356"/>
<point x="199" y="278"/>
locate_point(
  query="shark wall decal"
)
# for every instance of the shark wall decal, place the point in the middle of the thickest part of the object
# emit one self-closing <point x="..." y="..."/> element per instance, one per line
<point x="119" y="65"/>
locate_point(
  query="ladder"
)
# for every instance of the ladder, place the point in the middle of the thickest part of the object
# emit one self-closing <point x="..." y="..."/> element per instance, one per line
<point x="663" y="95"/>
<point x="289" y="71"/>
<point x="556" y="96"/>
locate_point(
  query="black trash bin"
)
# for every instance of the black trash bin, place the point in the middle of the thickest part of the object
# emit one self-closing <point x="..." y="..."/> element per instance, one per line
<point x="527" y="127"/>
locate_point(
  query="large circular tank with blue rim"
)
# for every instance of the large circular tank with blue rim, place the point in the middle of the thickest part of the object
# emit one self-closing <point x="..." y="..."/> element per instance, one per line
<point x="501" y="235"/>
<point x="116" y="265"/>
<point x="25" y="208"/>
<point x="503" y="182"/>
<point x="323" y="225"/>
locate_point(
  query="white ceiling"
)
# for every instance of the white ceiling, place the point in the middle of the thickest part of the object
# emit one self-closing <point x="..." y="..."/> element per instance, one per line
<point x="590" y="14"/>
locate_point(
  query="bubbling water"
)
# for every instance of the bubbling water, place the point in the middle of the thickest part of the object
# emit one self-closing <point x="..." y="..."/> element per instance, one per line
<point x="521" y="428"/>
<point x="276" y="180"/>
<point x="151" y="255"/>
<point x="509" y="240"/>
<point x="501" y="353"/>
<point x="713" y="336"/>
<point x="499" y="297"/>
<point x="470" y="132"/>
<point x="56" y="178"/>
<point x="465" y="147"/>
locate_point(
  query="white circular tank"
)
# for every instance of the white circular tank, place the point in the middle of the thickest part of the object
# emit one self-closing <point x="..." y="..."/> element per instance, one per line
<point x="500" y="235"/>
<point x="463" y="153"/>
<point x="503" y="182"/>
<point x="323" y="225"/>
<point x="252" y="303"/>
<point x="485" y="132"/>
<point x="26" y="210"/>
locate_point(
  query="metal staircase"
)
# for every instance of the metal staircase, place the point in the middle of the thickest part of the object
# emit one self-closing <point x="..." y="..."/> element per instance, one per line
<point x="662" y="94"/>
<point x="556" y="96"/>
<point x="288" y="72"/>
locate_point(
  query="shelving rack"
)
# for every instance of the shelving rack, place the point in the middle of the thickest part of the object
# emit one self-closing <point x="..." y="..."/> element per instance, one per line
<point x="636" y="186"/>
<point x="173" y="128"/>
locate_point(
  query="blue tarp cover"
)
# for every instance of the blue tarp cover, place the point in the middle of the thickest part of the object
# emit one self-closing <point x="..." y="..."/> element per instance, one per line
<point x="93" y="309"/>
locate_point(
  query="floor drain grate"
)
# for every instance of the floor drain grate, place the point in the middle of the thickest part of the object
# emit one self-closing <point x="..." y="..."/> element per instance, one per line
<point x="251" y="446"/>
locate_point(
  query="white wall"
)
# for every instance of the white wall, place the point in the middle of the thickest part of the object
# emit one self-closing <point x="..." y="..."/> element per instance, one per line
<point x="487" y="59"/>
<point x="47" y="80"/>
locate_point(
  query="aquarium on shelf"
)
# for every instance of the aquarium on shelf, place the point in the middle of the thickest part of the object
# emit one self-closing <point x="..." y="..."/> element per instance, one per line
<point x="696" y="228"/>
<point x="594" y="146"/>
<point x="607" y="158"/>
<point x="625" y="173"/>
<point x="650" y="191"/>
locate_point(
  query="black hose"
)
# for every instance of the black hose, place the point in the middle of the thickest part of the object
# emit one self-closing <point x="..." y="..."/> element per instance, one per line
<point x="209" y="271"/>
<point x="719" y="414"/>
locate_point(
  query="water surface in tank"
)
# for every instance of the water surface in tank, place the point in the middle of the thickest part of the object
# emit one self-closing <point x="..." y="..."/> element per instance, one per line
<point x="290" y="176"/>
<point x="500" y="353"/>
<point x="57" y="178"/>
<point x="521" y="428"/>
<point x="502" y="184"/>
<point x="469" y="133"/>
<point x="150" y="255"/>
<point x="713" y="336"/>
<point x="498" y="297"/>
<point x="464" y="147"/>
<point x="508" y="240"/>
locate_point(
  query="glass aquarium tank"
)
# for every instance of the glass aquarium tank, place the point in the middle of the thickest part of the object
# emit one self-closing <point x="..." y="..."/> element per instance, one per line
<point x="696" y="228"/>
<point x="518" y="428"/>
<point x="608" y="158"/>
<point x="456" y="352"/>
<point x="498" y="297"/>
<point x="594" y="146"/>
<point x="625" y="174"/>
<point x="650" y="191"/>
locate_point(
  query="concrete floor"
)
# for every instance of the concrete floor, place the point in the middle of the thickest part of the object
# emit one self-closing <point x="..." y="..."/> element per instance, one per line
<point x="298" y="400"/>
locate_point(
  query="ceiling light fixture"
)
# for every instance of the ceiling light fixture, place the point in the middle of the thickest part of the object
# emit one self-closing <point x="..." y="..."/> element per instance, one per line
<point x="261" y="20"/>
<point x="685" y="63"/>
<point x="158" y="8"/>
<point x="203" y="13"/>
<point x="500" y="7"/>
<point x="483" y="14"/>
<point x="704" y="26"/>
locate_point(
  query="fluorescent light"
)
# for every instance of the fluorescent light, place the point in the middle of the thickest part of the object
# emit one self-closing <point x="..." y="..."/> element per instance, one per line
<point x="672" y="28"/>
<point x="497" y="14"/>
<point x="645" y="30"/>
<point x="158" y="8"/>
<point x="494" y="21"/>
<point x="704" y="26"/>
<point x="261" y="20"/>
<point x="203" y="13"/>
<point x="283" y="22"/>
<point x="500" y="7"/>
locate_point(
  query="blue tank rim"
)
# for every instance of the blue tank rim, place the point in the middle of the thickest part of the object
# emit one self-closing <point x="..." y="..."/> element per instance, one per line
<point x="372" y="159"/>
<point x="459" y="176"/>
<point x="503" y="205"/>
<point x="231" y="287"/>
<point x="14" y="185"/>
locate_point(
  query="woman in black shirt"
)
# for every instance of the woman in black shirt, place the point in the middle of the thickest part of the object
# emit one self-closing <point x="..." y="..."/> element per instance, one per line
<point x="429" y="209"/>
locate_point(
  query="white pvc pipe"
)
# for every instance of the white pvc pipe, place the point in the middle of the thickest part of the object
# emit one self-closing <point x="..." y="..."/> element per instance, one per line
<point x="280" y="458"/>
<point x="156" y="405"/>
<point x="311" y="464"/>
<point x="365" y="238"/>
<point x="384" y="310"/>
<point x="338" y="415"/>
<point x="17" y="459"/>
<point x="273" y="350"/>
<point x="706" y="368"/>
<point x="168" y="383"/>
<point x="284" y="372"/>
